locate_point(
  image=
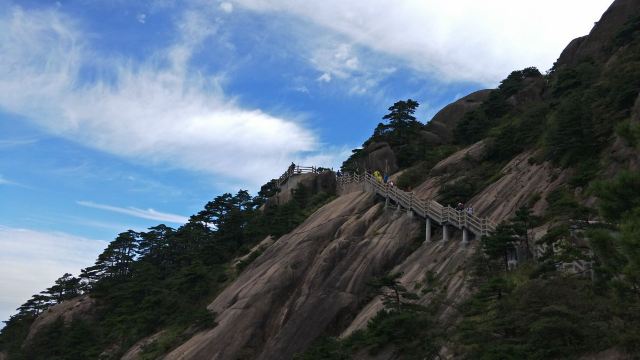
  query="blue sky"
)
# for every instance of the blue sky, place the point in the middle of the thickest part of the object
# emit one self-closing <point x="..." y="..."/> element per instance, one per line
<point x="126" y="114"/>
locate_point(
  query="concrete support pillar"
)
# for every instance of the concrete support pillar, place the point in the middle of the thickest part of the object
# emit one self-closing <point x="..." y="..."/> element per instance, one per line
<point x="427" y="228"/>
<point x="465" y="236"/>
<point x="445" y="232"/>
<point x="386" y="202"/>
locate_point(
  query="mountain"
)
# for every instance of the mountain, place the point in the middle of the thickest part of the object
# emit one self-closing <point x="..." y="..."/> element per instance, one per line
<point x="318" y="267"/>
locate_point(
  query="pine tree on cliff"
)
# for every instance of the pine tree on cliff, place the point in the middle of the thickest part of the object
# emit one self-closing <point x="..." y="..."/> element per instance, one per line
<point x="65" y="287"/>
<point x="401" y="119"/>
<point x="401" y="113"/>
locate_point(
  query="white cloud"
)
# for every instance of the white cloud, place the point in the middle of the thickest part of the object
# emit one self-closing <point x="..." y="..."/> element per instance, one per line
<point x="142" y="18"/>
<point x="32" y="260"/>
<point x="226" y="7"/>
<point x="150" y="214"/>
<point x="340" y="63"/>
<point x="331" y="157"/>
<point x="325" y="77"/>
<point x="160" y="111"/>
<point x="338" y="60"/>
<point x="480" y="41"/>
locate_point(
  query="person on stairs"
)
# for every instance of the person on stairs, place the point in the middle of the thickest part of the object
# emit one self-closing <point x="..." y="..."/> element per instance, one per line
<point x="377" y="175"/>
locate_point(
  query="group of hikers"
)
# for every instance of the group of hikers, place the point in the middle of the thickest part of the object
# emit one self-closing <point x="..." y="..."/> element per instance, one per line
<point x="382" y="178"/>
<point x="461" y="207"/>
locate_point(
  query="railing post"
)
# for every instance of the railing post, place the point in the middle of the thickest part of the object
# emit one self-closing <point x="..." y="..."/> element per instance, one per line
<point x="427" y="228"/>
<point x="445" y="232"/>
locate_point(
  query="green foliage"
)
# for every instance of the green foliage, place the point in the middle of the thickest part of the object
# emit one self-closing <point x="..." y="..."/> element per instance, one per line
<point x="571" y="136"/>
<point x="584" y="172"/>
<point x="574" y="78"/>
<point x="402" y="132"/>
<point x="252" y="256"/>
<point x="619" y="196"/>
<point x="540" y="319"/>
<point x="160" y="279"/>
<point x="562" y="204"/>
<point x="401" y="113"/>
<point x="476" y="125"/>
<point x="550" y="315"/>
<point x="390" y="288"/>
<point x="77" y="340"/>
<point x="630" y="132"/>
<point x="458" y="192"/>
<point x="628" y="33"/>
<point x="416" y="175"/>
<point x="411" y="332"/>
<point x="463" y="189"/>
<point x="517" y="135"/>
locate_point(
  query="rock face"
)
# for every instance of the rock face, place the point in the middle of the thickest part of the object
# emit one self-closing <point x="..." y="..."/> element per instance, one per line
<point x="521" y="179"/>
<point x="447" y="261"/>
<point x="135" y="351"/>
<point x="81" y="307"/>
<point x="597" y="44"/>
<point x="323" y="182"/>
<point x="310" y="281"/>
<point x="378" y="156"/>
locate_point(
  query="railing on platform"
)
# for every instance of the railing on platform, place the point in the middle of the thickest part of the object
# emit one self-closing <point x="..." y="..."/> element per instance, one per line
<point x="295" y="170"/>
<point x="429" y="208"/>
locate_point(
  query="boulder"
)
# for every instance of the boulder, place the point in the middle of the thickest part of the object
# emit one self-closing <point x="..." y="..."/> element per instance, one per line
<point x="81" y="307"/>
<point x="322" y="182"/>
<point x="445" y="120"/>
<point x="378" y="156"/>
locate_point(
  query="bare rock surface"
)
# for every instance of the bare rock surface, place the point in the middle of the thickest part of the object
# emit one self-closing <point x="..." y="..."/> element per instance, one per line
<point x="379" y="156"/>
<point x="81" y="307"/>
<point x="446" y="261"/>
<point x="310" y="281"/>
<point x="520" y="180"/>
<point x="610" y="354"/>
<point x="135" y="351"/>
<point x="323" y="182"/>
<point x="597" y="44"/>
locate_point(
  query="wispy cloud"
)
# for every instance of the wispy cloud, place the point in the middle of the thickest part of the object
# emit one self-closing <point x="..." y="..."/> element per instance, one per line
<point x="162" y="110"/>
<point x="8" y="143"/>
<point x="149" y="214"/>
<point x="5" y="181"/>
<point x="31" y="260"/>
<point x="466" y="40"/>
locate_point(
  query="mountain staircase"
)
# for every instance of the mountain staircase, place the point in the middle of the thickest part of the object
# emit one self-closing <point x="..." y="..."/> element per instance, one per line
<point x="433" y="212"/>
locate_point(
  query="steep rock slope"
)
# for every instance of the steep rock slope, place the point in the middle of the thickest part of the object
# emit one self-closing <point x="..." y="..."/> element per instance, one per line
<point x="449" y="261"/>
<point x="81" y="307"/>
<point x="309" y="281"/>
<point x="597" y="44"/>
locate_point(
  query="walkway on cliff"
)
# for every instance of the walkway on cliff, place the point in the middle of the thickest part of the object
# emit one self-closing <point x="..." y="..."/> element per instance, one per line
<point x="433" y="212"/>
